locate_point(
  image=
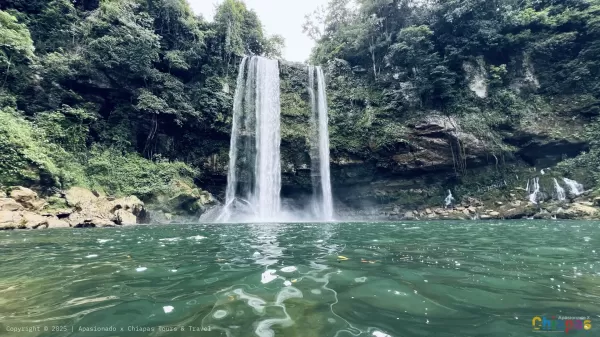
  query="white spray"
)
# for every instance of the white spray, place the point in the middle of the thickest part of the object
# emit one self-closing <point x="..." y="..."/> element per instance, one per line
<point x="449" y="199"/>
<point x="535" y="190"/>
<point x="574" y="187"/>
<point x="560" y="192"/>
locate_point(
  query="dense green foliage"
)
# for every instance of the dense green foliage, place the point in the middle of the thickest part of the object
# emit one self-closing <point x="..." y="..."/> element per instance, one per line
<point x="500" y="68"/>
<point x="133" y="96"/>
<point x="30" y="154"/>
<point x="91" y="88"/>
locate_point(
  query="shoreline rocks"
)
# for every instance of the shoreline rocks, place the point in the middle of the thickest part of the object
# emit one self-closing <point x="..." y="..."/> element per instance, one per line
<point x="21" y="208"/>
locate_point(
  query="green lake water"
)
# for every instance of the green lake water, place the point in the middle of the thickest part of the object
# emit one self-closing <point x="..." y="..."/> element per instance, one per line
<point x="344" y="279"/>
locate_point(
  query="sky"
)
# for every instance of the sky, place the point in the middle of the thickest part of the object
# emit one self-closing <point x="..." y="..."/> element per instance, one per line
<point x="284" y="17"/>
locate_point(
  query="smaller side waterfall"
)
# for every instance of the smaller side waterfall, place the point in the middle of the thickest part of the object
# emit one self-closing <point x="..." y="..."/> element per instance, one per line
<point x="560" y="192"/>
<point x="321" y="176"/>
<point x="534" y="190"/>
<point x="574" y="187"/>
<point x="449" y="199"/>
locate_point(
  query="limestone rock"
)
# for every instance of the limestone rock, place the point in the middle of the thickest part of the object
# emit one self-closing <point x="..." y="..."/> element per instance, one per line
<point x="472" y="209"/>
<point x="544" y="215"/>
<point x="495" y="214"/>
<point x="409" y="215"/>
<point x="9" y="204"/>
<point x="474" y="202"/>
<point x="2" y="193"/>
<point x="24" y="196"/>
<point x="77" y="220"/>
<point x="519" y="212"/>
<point x="99" y="222"/>
<point x="124" y="217"/>
<point x="81" y="221"/>
<point x="466" y="212"/>
<point x="597" y="201"/>
<point x="189" y="200"/>
<point x="577" y="211"/>
<point x="131" y="204"/>
<point x="10" y="220"/>
<point x="57" y="223"/>
<point x="32" y="220"/>
<point x="78" y="196"/>
<point x="485" y="217"/>
<point x="61" y="213"/>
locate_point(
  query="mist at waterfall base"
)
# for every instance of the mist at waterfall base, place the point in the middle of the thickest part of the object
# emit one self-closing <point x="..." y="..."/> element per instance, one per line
<point x="253" y="191"/>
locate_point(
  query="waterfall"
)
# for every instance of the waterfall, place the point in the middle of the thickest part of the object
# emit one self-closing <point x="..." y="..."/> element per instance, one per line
<point x="237" y="111"/>
<point x="575" y="187"/>
<point x="449" y="199"/>
<point x="535" y="190"/>
<point x="560" y="192"/>
<point x="254" y="174"/>
<point x="321" y="176"/>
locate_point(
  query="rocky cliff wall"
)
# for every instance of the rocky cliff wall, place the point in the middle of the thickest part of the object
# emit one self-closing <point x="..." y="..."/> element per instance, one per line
<point x="389" y="161"/>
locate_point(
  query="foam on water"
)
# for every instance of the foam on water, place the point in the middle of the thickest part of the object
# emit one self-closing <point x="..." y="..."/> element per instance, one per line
<point x="256" y="303"/>
<point x="220" y="314"/>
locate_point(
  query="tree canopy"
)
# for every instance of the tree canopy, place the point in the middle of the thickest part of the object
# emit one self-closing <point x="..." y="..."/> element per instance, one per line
<point x="142" y="76"/>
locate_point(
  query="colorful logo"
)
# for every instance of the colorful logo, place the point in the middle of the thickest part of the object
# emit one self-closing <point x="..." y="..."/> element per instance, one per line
<point x="561" y="323"/>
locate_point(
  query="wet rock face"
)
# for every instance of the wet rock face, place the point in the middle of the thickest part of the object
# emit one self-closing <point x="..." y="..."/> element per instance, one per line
<point x="188" y="201"/>
<point x="544" y="151"/>
<point x="432" y="145"/>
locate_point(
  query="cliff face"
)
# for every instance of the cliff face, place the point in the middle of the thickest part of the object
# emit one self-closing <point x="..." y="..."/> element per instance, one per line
<point x="388" y="161"/>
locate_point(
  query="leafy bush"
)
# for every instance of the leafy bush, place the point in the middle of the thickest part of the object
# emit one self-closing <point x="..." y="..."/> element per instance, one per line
<point x="25" y="156"/>
<point x="29" y="157"/>
<point x="118" y="173"/>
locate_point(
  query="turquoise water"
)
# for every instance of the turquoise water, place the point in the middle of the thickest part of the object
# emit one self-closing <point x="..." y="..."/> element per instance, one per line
<point x="344" y="279"/>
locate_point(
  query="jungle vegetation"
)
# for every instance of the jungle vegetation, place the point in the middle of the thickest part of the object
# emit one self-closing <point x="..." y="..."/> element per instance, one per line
<point x="496" y="67"/>
<point x="128" y="96"/>
<point x="112" y="94"/>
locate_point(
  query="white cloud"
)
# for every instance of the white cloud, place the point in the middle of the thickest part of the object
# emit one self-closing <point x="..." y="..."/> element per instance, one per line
<point x="284" y="17"/>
